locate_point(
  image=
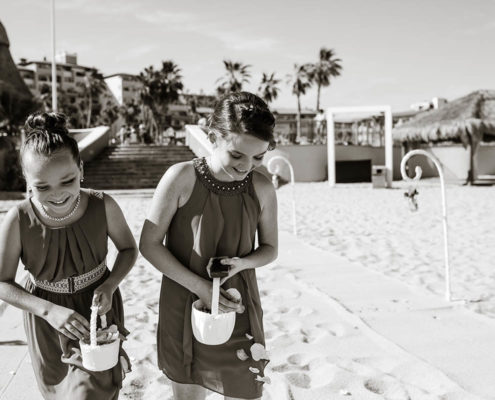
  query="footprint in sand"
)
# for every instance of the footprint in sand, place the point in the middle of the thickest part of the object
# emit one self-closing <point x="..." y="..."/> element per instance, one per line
<point x="337" y="330"/>
<point x="301" y="311"/>
<point x="311" y="335"/>
<point x="288" y="325"/>
<point x="388" y="387"/>
<point x="299" y="379"/>
<point x="296" y="371"/>
<point x="285" y="293"/>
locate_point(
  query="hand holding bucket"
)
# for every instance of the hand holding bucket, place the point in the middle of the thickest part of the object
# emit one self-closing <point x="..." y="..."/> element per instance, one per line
<point x="213" y="328"/>
<point x="103" y="356"/>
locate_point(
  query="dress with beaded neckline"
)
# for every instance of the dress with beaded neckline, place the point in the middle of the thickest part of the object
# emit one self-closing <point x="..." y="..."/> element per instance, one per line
<point x="219" y="219"/>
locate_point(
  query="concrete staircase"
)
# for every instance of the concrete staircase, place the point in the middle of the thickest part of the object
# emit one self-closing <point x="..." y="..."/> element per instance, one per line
<point x="133" y="166"/>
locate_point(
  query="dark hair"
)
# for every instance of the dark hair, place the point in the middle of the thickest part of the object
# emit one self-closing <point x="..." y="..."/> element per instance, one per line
<point x="243" y="112"/>
<point x="46" y="133"/>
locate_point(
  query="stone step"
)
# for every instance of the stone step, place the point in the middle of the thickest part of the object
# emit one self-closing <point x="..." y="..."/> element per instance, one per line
<point x="133" y="166"/>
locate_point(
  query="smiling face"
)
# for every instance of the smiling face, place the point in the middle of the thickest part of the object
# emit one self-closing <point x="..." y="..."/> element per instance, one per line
<point x="237" y="155"/>
<point x="54" y="180"/>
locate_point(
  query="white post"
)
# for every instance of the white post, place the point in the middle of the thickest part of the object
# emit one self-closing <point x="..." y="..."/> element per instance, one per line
<point x="389" y="146"/>
<point x="54" y="65"/>
<point x="331" y="148"/>
<point x="389" y="163"/>
<point x="292" y="183"/>
<point x="444" y="207"/>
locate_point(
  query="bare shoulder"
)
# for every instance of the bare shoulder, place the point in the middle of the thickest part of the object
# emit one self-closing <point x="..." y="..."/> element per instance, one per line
<point x="263" y="187"/>
<point x="10" y="222"/>
<point x="10" y="230"/>
<point x="111" y="204"/>
<point x="177" y="182"/>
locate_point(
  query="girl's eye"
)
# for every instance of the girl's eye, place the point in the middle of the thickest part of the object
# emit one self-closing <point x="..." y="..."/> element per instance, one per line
<point x="236" y="156"/>
<point x="259" y="158"/>
<point x="70" y="181"/>
<point x="41" y="188"/>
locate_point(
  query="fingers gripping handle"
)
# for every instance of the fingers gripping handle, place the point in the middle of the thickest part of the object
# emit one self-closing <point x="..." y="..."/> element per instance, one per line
<point x="92" y="323"/>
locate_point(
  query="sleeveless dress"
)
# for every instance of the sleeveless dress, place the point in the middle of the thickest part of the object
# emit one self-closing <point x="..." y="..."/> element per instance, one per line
<point x="56" y="253"/>
<point x="219" y="219"/>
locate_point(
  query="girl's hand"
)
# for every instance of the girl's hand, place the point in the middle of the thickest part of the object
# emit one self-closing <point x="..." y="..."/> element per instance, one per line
<point x="204" y="292"/>
<point x="236" y="265"/>
<point x="102" y="298"/>
<point x="69" y="322"/>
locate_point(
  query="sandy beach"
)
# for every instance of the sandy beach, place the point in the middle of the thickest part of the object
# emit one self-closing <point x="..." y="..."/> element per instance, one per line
<point x="319" y="349"/>
<point x="374" y="227"/>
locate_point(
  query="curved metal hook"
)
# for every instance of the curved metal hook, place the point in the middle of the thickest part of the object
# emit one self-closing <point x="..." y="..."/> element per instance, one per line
<point x="418" y="173"/>
<point x="275" y="171"/>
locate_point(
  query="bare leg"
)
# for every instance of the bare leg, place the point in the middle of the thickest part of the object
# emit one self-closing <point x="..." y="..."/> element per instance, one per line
<point x="188" y="391"/>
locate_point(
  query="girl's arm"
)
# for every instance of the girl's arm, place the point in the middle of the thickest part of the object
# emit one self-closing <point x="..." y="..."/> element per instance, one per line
<point x="267" y="250"/>
<point x="172" y="192"/>
<point x="121" y="236"/>
<point x="65" y="320"/>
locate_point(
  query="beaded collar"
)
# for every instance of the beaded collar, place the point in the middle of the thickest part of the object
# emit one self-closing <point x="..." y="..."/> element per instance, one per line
<point x="214" y="185"/>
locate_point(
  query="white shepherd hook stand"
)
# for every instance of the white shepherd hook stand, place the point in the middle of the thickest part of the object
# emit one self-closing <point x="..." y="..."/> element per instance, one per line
<point x="418" y="172"/>
<point x="275" y="171"/>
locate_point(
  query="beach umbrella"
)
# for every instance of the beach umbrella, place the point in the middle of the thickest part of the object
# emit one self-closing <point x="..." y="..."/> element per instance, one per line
<point x="466" y="120"/>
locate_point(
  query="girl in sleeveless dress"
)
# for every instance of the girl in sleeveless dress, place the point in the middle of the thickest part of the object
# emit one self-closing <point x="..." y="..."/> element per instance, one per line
<point x="213" y="207"/>
<point x="60" y="234"/>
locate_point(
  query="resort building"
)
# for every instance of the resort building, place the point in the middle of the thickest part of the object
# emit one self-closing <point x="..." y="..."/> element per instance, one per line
<point x="433" y="104"/>
<point x="124" y="87"/>
<point x="71" y="77"/>
<point x="286" y="123"/>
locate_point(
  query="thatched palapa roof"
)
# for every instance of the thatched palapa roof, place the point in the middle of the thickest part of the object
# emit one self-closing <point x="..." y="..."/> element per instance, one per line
<point x="463" y="119"/>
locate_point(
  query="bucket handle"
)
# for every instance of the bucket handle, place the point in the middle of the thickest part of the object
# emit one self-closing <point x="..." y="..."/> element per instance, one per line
<point x="92" y="324"/>
<point x="215" y="296"/>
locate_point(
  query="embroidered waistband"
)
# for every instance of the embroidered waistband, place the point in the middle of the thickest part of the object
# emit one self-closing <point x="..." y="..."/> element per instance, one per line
<point x="74" y="283"/>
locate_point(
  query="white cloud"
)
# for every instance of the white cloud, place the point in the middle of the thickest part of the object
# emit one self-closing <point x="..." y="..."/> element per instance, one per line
<point x="188" y="22"/>
<point x="165" y="17"/>
<point x="483" y="28"/>
<point x="136" y="52"/>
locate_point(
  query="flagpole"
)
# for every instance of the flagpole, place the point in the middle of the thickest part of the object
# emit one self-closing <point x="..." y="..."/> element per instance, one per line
<point x="54" y="65"/>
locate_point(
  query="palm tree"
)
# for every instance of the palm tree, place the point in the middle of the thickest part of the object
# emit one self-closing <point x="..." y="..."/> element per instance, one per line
<point x="268" y="89"/>
<point x="300" y="82"/>
<point x="160" y="88"/>
<point x="95" y="86"/>
<point x="321" y="72"/>
<point x="237" y="74"/>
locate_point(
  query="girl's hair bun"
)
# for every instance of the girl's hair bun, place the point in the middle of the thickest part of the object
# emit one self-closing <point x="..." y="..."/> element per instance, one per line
<point x="243" y="112"/>
<point x="47" y="133"/>
<point x="48" y="122"/>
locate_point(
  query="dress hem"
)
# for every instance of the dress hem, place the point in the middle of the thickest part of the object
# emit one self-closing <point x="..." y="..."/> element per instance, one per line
<point x="211" y="390"/>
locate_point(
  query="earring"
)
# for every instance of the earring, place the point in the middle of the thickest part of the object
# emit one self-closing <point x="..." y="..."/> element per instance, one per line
<point x="211" y="137"/>
<point x="82" y="179"/>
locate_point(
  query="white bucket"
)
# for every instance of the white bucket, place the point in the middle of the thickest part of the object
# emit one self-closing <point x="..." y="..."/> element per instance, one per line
<point x="97" y="357"/>
<point x="211" y="329"/>
<point x="100" y="357"/>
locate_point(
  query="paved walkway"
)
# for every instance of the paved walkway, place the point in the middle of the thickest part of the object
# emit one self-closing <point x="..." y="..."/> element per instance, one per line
<point x="413" y="321"/>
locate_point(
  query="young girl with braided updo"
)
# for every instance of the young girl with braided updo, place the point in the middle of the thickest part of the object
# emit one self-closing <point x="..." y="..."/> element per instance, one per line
<point x="213" y="207"/>
<point x="60" y="234"/>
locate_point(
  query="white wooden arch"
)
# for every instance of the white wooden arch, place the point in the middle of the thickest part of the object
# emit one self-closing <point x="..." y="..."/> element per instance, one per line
<point x="387" y="110"/>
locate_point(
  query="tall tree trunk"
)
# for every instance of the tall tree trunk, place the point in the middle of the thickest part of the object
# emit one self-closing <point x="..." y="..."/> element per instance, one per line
<point x="90" y="106"/>
<point x="473" y="148"/>
<point x="318" y="98"/>
<point x="298" y="120"/>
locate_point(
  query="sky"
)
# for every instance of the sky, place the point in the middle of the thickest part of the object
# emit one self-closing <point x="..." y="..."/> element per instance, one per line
<point x="393" y="52"/>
